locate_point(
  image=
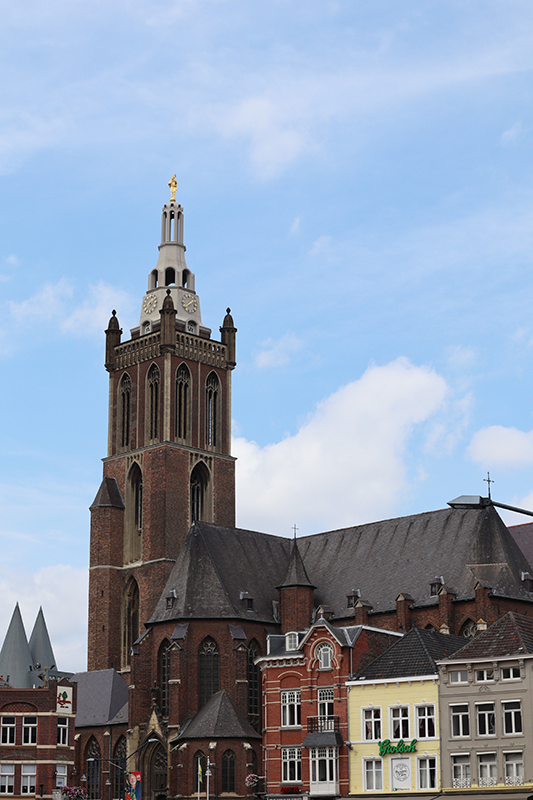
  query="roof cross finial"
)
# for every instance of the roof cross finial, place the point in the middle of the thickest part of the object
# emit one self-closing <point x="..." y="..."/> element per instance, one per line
<point x="173" y="186"/>
<point x="489" y="481"/>
<point x="294" y="528"/>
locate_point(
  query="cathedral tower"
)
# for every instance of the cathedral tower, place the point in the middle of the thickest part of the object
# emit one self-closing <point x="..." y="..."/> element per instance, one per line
<point x="168" y="461"/>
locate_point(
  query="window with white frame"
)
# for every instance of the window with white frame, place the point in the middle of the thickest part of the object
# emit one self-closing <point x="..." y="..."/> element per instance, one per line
<point x="323" y="765"/>
<point x="291" y="641"/>
<point x="7" y="778"/>
<point x="514" y="768"/>
<point x="8" y="730"/>
<point x="484" y="675"/>
<point x="512" y="716"/>
<point x="326" y="709"/>
<point x="290" y="709"/>
<point x="461" y="776"/>
<point x="291" y="762"/>
<point x="371" y="724"/>
<point x="510" y="673"/>
<point x="27" y="779"/>
<point x="427" y="772"/>
<point x="324" y="653"/>
<point x="373" y="772"/>
<point x="399" y="722"/>
<point x="460" y="720"/>
<point x="61" y="775"/>
<point x="425" y="721"/>
<point x="459" y="676"/>
<point x="488" y="769"/>
<point x="62" y="730"/>
<point x="29" y="730"/>
<point x="486" y="719"/>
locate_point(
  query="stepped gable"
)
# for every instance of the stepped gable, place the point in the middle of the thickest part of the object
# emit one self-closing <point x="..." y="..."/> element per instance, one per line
<point x="463" y="545"/>
<point x="16" y="660"/>
<point x="508" y="636"/>
<point x="215" y="565"/>
<point x="414" y="654"/>
<point x="102" y="698"/>
<point x="40" y="644"/>
<point x="218" y="719"/>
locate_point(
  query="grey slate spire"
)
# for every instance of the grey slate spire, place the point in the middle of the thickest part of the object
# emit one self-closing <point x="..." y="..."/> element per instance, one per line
<point x="15" y="657"/>
<point x="40" y="645"/>
<point x="296" y="574"/>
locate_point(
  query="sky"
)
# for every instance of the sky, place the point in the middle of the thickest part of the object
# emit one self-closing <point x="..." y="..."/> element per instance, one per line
<point x="357" y="183"/>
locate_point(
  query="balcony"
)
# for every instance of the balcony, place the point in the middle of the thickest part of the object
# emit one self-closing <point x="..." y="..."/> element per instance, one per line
<point x="322" y="724"/>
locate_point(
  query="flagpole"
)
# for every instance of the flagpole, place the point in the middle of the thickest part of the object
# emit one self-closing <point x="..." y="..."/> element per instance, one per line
<point x="208" y="774"/>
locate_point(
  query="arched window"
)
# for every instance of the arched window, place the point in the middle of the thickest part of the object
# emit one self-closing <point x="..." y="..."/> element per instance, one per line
<point x="119" y="767"/>
<point x="124" y="411"/>
<point x="133" y="523"/>
<point x="158" y="773"/>
<point x="163" y="670"/>
<point x="199" y="485"/>
<point x="170" y="276"/>
<point x="130" y="619"/>
<point x="154" y="277"/>
<point x="199" y="770"/>
<point x="212" y="412"/>
<point x="228" y="771"/>
<point x="152" y="403"/>
<point x="208" y="670"/>
<point x="93" y="757"/>
<point x="468" y="629"/>
<point x="185" y="278"/>
<point x="324" y="654"/>
<point x="183" y="403"/>
<point x="254" y="686"/>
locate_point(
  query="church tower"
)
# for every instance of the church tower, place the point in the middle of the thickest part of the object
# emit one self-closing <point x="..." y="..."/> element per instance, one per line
<point x="168" y="461"/>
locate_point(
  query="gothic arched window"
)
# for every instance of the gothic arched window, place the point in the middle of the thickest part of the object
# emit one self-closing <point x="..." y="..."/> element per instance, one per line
<point x="254" y="686"/>
<point x="152" y="403"/>
<point x="199" y="770"/>
<point x="93" y="757"/>
<point x="208" y="670"/>
<point x="124" y="411"/>
<point x="212" y="410"/>
<point x="183" y="403"/>
<point x="228" y="771"/>
<point x="163" y="676"/>
<point x="130" y="619"/>
<point x="134" y="515"/>
<point x="199" y="485"/>
<point x="119" y="767"/>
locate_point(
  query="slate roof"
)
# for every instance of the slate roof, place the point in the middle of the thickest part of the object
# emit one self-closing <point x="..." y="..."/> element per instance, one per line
<point x="463" y="545"/>
<point x="40" y="644"/>
<point x="296" y="573"/>
<point x="414" y="654"/>
<point x="523" y="536"/>
<point x="217" y="719"/>
<point x="102" y="698"/>
<point x="15" y="657"/>
<point x="108" y="495"/>
<point x="510" y="635"/>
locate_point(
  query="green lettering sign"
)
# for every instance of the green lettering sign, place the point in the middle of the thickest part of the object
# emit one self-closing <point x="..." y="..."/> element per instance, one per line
<point x="387" y="749"/>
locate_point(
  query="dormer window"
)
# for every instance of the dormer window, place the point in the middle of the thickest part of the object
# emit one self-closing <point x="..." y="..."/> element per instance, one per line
<point x="435" y="585"/>
<point x="291" y="641"/>
<point x="527" y="581"/>
<point x="352" y="598"/>
<point x="171" y="599"/>
<point x="248" y="601"/>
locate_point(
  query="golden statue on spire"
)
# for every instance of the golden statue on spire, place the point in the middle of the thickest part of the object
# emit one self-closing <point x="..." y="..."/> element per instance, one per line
<point x="173" y="186"/>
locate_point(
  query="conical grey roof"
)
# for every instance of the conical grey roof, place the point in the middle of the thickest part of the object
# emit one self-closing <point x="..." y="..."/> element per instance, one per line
<point x="40" y="645"/>
<point x="296" y="574"/>
<point x="15" y="657"/>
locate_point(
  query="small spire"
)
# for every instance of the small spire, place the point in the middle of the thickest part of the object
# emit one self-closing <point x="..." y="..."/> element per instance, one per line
<point x="173" y="186"/>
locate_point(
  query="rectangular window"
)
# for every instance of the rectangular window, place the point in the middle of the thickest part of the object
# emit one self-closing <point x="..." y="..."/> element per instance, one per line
<point x="514" y="769"/>
<point x="512" y="716"/>
<point x="27" y="782"/>
<point x="290" y="709"/>
<point x="460" y="720"/>
<point x="399" y="719"/>
<point x="29" y="730"/>
<point x="488" y="771"/>
<point x="486" y="719"/>
<point x="291" y="761"/>
<point x="373" y="775"/>
<point x="459" y="676"/>
<point x="483" y="675"/>
<point x="510" y="673"/>
<point x="62" y="730"/>
<point x="461" y="772"/>
<point x="425" y="722"/>
<point x="371" y="724"/>
<point x="323" y="765"/>
<point x="7" y="778"/>
<point x="61" y="775"/>
<point x="427" y="772"/>
<point x="8" y="730"/>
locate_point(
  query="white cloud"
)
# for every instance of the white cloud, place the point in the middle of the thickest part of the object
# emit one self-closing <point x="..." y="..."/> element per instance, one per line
<point x="48" y="303"/>
<point x="501" y="446"/>
<point x="346" y="465"/>
<point x="512" y="135"/>
<point x="295" y="227"/>
<point x="277" y="352"/>
<point x="320" y="245"/>
<point x="92" y="316"/>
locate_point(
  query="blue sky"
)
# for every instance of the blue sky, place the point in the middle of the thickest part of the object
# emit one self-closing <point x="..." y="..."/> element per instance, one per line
<point x="358" y="186"/>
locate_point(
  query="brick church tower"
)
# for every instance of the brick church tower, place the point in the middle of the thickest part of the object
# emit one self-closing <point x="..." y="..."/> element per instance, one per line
<point x="168" y="461"/>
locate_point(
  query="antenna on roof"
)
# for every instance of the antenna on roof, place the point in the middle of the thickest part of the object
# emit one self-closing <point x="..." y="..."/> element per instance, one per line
<point x="488" y="480"/>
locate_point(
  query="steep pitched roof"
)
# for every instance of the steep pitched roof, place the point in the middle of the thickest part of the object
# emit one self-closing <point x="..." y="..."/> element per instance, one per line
<point x="108" y="495"/>
<point x="523" y="536"/>
<point x="218" y="719"/>
<point x="414" y="654"/>
<point x="16" y="661"/>
<point x="40" y="644"/>
<point x="510" y="635"/>
<point x="102" y="696"/>
<point x="296" y="574"/>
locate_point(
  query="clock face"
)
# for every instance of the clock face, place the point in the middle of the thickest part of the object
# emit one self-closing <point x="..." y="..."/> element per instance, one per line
<point x="189" y="302"/>
<point x="149" y="303"/>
